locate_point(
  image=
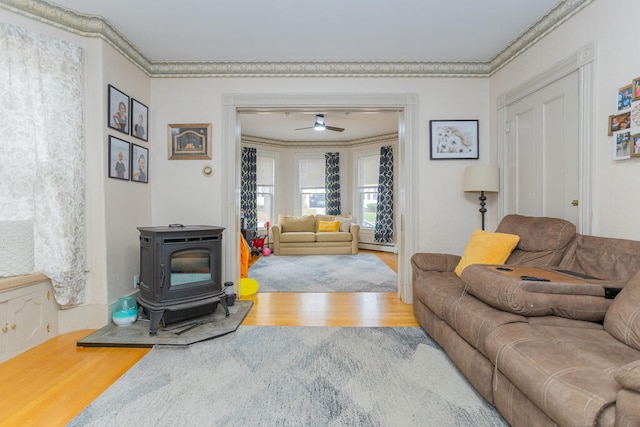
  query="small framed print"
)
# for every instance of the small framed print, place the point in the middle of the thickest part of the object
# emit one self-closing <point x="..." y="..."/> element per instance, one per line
<point x="190" y="141"/>
<point x="635" y="144"/>
<point x="622" y="148"/>
<point x="139" y="120"/>
<point x="619" y="122"/>
<point x="454" y="139"/>
<point x="118" y="158"/>
<point x="625" y="94"/>
<point x="139" y="164"/>
<point x="118" y="118"/>
<point x="636" y="89"/>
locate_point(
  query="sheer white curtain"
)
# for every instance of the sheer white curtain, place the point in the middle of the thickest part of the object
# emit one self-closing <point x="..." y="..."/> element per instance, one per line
<point x="42" y="155"/>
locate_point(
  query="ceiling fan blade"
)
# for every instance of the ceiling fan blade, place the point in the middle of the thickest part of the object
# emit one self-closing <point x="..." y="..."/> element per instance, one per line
<point x="310" y="127"/>
<point x="333" y="128"/>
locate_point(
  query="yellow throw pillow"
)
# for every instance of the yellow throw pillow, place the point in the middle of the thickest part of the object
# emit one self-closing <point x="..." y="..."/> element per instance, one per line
<point x="328" y="226"/>
<point x="487" y="248"/>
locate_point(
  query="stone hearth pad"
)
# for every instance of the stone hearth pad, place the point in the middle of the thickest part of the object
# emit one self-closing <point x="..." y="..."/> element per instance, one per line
<point x="183" y="333"/>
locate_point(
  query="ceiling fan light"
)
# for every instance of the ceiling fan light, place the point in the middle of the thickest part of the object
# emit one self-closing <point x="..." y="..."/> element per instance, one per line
<point x="319" y="127"/>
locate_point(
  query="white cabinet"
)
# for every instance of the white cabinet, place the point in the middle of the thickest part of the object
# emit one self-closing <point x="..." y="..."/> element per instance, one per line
<point x="28" y="317"/>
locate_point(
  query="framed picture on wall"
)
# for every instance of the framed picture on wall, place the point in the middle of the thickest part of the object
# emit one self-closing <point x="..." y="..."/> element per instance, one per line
<point x="636" y="89"/>
<point x="139" y="164"/>
<point x="454" y="139"/>
<point x="619" y="122"/>
<point x="190" y="141"/>
<point x="118" y="117"/>
<point x="625" y="94"/>
<point x="139" y="120"/>
<point x="118" y="158"/>
<point x="622" y="147"/>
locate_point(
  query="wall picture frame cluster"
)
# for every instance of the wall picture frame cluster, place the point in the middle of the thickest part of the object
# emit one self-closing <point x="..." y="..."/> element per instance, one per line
<point x="127" y="114"/>
<point x="624" y="124"/>
<point x="126" y="160"/>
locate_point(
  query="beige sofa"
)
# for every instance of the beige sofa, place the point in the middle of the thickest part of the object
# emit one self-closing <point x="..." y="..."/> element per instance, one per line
<point x="300" y="236"/>
<point x="542" y="353"/>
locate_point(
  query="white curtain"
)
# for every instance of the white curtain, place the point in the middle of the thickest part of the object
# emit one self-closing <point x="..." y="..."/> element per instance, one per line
<point x="42" y="155"/>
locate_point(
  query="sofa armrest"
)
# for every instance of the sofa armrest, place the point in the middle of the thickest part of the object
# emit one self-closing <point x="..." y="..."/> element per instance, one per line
<point x="275" y="235"/>
<point x="354" y="229"/>
<point x="435" y="262"/>
<point x="628" y="376"/>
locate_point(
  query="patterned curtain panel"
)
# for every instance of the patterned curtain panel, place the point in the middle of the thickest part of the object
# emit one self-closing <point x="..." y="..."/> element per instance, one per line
<point x="384" y="216"/>
<point x="248" y="191"/>
<point x="42" y="151"/>
<point x="332" y="183"/>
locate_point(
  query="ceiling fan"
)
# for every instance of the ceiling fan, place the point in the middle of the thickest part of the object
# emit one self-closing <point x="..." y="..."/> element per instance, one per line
<point x="320" y="125"/>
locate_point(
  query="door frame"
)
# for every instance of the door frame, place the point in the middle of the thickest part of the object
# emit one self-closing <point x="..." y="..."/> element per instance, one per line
<point x="406" y="198"/>
<point x="582" y="63"/>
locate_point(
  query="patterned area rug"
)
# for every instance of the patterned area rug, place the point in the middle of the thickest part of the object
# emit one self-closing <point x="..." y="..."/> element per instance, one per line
<point x="295" y="376"/>
<point x="323" y="273"/>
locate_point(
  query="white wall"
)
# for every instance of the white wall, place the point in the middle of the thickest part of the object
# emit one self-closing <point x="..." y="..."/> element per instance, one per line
<point x="610" y="25"/>
<point x="181" y="194"/>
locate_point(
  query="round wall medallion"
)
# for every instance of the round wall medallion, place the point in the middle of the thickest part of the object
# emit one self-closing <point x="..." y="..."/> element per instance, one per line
<point x="207" y="170"/>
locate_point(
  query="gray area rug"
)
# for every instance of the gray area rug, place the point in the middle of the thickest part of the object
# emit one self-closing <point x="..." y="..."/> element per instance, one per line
<point x="183" y="333"/>
<point x="323" y="273"/>
<point x="295" y="376"/>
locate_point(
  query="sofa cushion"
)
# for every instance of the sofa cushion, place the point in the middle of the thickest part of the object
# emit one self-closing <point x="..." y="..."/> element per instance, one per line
<point x="622" y="319"/>
<point x="607" y="258"/>
<point x="337" y="236"/>
<point x="290" y="223"/>
<point x="328" y="226"/>
<point x="568" y="389"/>
<point x="487" y="248"/>
<point x="298" y="237"/>
<point x="542" y="240"/>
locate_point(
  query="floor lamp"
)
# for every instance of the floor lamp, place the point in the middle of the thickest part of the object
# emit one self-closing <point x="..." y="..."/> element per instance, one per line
<point x="483" y="179"/>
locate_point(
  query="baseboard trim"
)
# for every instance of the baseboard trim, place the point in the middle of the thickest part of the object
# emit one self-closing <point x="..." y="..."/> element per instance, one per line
<point x="381" y="248"/>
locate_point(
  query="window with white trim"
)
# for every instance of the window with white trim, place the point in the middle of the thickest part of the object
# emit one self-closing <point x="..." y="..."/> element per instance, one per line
<point x="368" y="166"/>
<point x="311" y="185"/>
<point x="265" y="187"/>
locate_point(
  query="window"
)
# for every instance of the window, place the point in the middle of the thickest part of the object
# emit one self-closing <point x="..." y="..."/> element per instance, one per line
<point x="265" y="183"/>
<point x="311" y="185"/>
<point x="367" y="198"/>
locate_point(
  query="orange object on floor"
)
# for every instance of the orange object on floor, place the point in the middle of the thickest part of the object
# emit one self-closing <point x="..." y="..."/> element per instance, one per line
<point x="245" y="253"/>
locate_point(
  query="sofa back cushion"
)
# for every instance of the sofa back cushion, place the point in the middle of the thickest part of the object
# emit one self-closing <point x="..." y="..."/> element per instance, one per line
<point x="290" y="223"/>
<point x="542" y="242"/>
<point x="607" y="258"/>
<point x="622" y="319"/>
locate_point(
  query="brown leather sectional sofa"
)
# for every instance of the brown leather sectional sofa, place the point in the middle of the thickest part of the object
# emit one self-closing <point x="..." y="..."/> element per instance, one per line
<point x="543" y="353"/>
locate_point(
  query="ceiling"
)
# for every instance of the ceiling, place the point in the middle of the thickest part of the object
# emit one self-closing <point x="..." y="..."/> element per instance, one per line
<point x="327" y="30"/>
<point x="283" y="31"/>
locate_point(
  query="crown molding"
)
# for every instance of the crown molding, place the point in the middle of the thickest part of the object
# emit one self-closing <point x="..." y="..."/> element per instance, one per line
<point x="94" y="26"/>
<point x="380" y="139"/>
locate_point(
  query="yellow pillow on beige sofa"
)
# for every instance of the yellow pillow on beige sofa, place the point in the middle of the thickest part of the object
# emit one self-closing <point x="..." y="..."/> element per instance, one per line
<point x="487" y="248"/>
<point x="328" y="226"/>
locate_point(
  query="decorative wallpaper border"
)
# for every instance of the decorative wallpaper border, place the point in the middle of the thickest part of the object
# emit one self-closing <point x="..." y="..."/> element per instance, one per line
<point x="92" y="26"/>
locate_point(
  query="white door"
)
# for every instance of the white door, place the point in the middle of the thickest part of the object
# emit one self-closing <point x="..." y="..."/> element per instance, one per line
<point x="542" y="134"/>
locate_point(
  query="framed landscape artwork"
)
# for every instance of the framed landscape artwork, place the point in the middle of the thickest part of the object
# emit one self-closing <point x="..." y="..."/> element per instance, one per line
<point x="454" y="139"/>
<point x="190" y="141"/>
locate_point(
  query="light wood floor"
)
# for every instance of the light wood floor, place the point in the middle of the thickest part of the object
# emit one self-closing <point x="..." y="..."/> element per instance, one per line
<point x="53" y="382"/>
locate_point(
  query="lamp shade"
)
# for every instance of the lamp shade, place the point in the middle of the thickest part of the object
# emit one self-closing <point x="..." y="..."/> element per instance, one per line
<point x="481" y="178"/>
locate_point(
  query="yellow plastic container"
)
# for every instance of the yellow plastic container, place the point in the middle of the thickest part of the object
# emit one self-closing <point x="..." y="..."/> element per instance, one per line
<point x="248" y="286"/>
